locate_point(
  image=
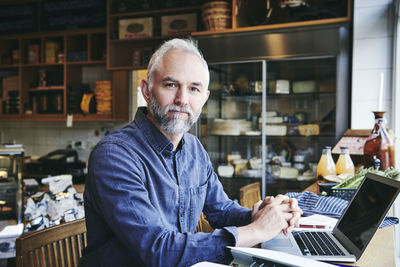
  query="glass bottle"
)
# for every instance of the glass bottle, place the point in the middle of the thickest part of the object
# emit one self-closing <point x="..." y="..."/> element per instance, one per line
<point x="344" y="165"/>
<point x="379" y="144"/>
<point x="326" y="165"/>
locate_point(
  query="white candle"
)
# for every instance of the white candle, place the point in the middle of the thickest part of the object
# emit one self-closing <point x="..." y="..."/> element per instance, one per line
<point x="380" y="97"/>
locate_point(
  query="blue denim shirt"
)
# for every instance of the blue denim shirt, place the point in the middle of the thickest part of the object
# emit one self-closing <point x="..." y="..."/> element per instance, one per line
<point x="143" y="201"/>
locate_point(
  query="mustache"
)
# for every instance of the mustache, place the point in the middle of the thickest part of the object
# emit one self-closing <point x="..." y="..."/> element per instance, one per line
<point x="185" y="109"/>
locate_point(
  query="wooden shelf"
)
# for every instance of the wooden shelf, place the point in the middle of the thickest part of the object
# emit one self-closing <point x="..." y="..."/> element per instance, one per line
<point x="66" y="74"/>
<point x="275" y="26"/>
<point x="121" y="68"/>
<point x="9" y="117"/>
<point x="153" y="12"/>
<point x="9" y="66"/>
<point x="46" y="88"/>
<point x="91" y="62"/>
<point x="39" y="65"/>
<point x="146" y="39"/>
<point x="94" y="117"/>
<point x="43" y="117"/>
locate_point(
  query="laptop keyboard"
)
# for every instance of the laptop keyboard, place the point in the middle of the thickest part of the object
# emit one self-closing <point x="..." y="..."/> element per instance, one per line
<point x="316" y="243"/>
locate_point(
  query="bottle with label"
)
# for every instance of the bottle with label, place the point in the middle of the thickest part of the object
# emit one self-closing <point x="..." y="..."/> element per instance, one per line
<point x="326" y="165"/>
<point x="344" y="165"/>
<point x="379" y="144"/>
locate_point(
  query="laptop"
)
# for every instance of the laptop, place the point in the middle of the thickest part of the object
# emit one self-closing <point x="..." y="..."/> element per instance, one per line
<point x="353" y="231"/>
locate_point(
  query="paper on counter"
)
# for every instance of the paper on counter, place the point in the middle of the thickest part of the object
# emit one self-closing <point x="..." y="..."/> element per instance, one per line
<point x="58" y="183"/>
<point x="317" y="221"/>
<point x="283" y="258"/>
<point x="208" y="264"/>
<point x="12" y="231"/>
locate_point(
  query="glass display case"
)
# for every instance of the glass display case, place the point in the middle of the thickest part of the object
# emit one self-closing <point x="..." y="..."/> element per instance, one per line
<point x="269" y="115"/>
<point x="11" y="161"/>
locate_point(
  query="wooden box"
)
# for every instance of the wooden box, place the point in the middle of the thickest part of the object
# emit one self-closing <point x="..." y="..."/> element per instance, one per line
<point x="134" y="28"/>
<point x="182" y="24"/>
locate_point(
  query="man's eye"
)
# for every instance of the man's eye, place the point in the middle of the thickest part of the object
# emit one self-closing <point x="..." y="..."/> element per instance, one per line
<point x="195" y="89"/>
<point x="170" y="85"/>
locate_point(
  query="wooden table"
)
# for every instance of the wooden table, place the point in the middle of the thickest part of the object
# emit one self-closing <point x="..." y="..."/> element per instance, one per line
<point x="381" y="249"/>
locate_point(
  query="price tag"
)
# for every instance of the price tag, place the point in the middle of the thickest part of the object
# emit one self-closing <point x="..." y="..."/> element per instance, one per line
<point x="69" y="120"/>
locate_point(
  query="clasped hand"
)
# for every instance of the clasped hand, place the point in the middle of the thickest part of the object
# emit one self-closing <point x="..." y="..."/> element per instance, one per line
<point x="275" y="214"/>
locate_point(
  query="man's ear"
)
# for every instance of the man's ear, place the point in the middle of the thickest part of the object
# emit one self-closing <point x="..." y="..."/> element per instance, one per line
<point x="144" y="86"/>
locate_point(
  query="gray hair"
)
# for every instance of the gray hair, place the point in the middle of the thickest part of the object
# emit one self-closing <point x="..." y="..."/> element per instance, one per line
<point x="184" y="45"/>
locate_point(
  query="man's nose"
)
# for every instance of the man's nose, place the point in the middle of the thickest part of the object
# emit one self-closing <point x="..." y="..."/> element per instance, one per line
<point x="182" y="97"/>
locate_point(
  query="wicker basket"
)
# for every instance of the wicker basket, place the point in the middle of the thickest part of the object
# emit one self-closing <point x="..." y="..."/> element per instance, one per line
<point x="217" y="15"/>
<point x="343" y="193"/>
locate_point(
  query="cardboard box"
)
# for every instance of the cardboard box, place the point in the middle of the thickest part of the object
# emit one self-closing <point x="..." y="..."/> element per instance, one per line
<point x="52" y="49"/>
<point x="134" y="28"/>
<point x="33" y="53"/>
<point x="178" y="24"/>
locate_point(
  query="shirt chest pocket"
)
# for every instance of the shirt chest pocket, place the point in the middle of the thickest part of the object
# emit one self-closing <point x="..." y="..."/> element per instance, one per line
<point x="197" y="196"/>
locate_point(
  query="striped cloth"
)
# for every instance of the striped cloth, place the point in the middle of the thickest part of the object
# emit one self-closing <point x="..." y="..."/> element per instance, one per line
<point x="312" y="203"/>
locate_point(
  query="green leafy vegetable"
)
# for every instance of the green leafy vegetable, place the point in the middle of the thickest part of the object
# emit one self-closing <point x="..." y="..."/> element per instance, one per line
<point x="355" y="181"/>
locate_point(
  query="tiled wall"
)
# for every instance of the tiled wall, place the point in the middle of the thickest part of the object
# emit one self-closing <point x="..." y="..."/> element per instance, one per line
<point x="372" y="55"/>
<point x="40" y="138"/>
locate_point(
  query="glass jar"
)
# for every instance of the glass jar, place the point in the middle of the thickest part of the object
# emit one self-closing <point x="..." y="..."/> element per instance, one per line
<point x="344" y="165"/>
<point x="379" y="144"/>
<point x="60" y="57"/>
<point x="326" y="165"/>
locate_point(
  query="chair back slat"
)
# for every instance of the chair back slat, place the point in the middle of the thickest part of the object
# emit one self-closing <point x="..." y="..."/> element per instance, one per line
<point x="67" y="251"/>
<point x="42" y="257"/>
<point x="203" y="225"/>
<point x="49" y="255"/>
<point x="33" y="258"/>
<point x="61" y="253"/>
<point x="74" y="247"/>
<point x="55" y="249"/>
<point x="79" y="245"/>
<point x="250" y="194"/>
<point x="84" y="239"/>
<point x="59" y="245"/>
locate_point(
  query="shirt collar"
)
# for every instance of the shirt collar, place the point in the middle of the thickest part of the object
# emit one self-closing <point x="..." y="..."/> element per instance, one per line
<point x="155" y="137"/>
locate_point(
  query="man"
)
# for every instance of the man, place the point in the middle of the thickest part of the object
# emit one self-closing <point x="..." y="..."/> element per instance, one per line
<point x="149" y="182"/>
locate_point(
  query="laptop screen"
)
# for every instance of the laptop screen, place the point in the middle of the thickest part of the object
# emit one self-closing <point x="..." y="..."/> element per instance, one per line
<point x="369" y="205"/>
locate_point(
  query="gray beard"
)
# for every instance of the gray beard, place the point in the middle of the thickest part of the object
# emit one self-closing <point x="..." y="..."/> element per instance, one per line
<point x="177" y="124"/>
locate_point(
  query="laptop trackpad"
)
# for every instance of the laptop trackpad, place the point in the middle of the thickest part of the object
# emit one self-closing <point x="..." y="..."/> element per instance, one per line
<point x="281" y="243"/>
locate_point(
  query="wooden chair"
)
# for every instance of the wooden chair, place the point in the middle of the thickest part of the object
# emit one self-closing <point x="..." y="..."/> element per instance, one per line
<point x="250" y="194"/>
<point x="203" y="225"/>
<point x="59" y="245"/>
